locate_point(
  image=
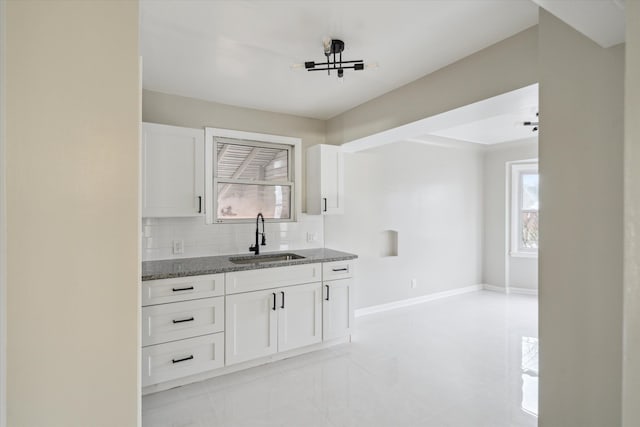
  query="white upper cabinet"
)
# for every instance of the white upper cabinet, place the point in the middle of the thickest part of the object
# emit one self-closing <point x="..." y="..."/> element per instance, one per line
<point x="172" y="171"/>
<point x="325" y="180"/>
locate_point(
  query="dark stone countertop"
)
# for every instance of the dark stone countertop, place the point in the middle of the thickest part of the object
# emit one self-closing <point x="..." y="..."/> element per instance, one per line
<point x="183" y="267"/>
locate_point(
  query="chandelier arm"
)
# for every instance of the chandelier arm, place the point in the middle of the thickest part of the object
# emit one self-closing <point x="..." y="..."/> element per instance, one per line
<point x="350" y="67"/>
<point x="346" y="62"/>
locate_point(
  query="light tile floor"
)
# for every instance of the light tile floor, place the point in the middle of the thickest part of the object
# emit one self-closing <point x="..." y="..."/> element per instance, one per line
<point x="464" y="361"/>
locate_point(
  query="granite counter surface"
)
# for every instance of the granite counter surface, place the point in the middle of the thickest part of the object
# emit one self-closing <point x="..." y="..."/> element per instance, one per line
<point x="183" y="267"/>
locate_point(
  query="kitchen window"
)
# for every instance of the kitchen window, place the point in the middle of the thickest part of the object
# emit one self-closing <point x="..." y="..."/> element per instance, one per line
<point x="524" y="209"/>
<point x="251" y="174"/>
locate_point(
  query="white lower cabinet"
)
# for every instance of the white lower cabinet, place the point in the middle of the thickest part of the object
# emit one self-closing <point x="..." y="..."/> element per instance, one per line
<point x="171" y="322"/>
<point x="192" y="325"/>
<point x="261" y="323"/>
<point x="251" y="326"/>
<point x="164" y="362"/>
<point x="300" y="316"/>
<point x="337" y="315"/>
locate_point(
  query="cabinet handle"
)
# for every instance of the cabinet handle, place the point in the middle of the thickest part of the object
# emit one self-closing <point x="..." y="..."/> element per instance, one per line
<point x="327" y="298"/>
<point x="199" y="204"/>
<point x="340" y="269"/>
<point x="184" y="359"/>
<point x="190" y="319"/>
<point x="274" y="301"/>
<point x="190" y="288"/>
<point x="282" y="306"/>
<point x="325" y="204"/>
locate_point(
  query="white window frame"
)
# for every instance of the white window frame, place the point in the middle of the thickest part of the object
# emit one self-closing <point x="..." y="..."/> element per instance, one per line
<point x="517" y="170"/>
<point x="254" y="139"/>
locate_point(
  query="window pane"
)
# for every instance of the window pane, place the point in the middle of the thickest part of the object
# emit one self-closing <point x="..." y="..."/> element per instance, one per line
<point x="529" y="191"/>
<point x="529" y="230"/>
<point x="245" y="201"/>
<point x="252" y="163"/>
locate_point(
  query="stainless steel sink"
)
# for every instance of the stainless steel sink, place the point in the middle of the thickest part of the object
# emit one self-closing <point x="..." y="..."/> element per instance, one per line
<point x="258" y="259"/>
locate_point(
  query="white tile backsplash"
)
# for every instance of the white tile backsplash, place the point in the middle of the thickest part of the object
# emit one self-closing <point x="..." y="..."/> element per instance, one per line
<point x="202" y="239"/>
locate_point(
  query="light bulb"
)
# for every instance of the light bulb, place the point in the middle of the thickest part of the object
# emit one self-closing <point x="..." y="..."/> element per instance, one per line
<point x="326" y="44"/>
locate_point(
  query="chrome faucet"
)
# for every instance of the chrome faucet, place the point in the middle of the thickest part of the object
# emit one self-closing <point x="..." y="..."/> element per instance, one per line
<point x="256" y="248"/>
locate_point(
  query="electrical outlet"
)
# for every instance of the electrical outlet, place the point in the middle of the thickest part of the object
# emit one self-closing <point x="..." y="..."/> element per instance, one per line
<point x="178" y="246"/>
<point x="312" y="237"/>
<point x="414" y="283"/>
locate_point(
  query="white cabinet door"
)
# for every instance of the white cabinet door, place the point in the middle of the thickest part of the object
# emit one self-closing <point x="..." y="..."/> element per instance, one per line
<point x="325" y="180"/>
<point x="172" y="171"/>
<point x="337" y="313"/>
<point x="299" y="316"/>
<point x="251" y="326"/>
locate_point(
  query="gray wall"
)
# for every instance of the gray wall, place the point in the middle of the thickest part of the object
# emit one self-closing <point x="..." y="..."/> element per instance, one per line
<point x="631" y="382"/>
<point x="581" y="163"/>
<point x="430" y="195"/>
<point x="189" y="112"/>
<point x="505" y="66"/>
<point x="523" y="271"/>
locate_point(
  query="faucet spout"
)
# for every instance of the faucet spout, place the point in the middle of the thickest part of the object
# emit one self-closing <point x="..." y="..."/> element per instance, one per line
<point x="256" y="247"/>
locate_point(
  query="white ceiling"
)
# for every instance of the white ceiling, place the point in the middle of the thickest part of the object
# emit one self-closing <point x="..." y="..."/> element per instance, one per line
<point x="240" y="52"/>
<point x="495" y="129"/>
<point x="491" y="121"/>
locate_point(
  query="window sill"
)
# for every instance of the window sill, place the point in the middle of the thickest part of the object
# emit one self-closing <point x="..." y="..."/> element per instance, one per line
<point x="523" y="254"/>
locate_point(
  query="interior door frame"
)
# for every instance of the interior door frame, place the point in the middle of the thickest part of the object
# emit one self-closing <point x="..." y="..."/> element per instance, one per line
<point x="3" y="225"/>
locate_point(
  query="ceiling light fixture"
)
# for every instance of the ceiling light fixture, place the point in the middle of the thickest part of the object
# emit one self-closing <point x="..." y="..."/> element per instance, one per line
<point x="334" y="47"/>
<point x="536" y="125"/>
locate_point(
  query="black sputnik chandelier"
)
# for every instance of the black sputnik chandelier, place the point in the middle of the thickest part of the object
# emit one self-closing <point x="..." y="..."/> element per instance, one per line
<point x="333" y="49"/>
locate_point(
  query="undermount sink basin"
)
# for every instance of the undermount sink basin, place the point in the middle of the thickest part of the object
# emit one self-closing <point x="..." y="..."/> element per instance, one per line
<point x="257" y="259"/>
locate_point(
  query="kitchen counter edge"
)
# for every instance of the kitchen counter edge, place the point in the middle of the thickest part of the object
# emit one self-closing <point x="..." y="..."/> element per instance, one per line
<point x="186" y="267"/>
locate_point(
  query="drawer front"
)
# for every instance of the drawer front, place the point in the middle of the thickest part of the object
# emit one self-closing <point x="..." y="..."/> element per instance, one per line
<point x="171" y="322"/>
<point x="337" y="270"/>
<point x="178" y="359"/>
<point x="182" y="289"/>
<point x="267" y="278"/>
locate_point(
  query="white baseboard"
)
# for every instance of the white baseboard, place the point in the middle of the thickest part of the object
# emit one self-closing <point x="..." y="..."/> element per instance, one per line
<point x="413" y="301"/>
<point x="512" y="290"/>
<point x="494" y="288"/>
<point x="523" y="291"/>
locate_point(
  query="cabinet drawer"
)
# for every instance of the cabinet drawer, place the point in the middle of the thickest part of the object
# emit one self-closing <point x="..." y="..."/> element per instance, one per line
<point x="337" y="270"/>
<point x="266" y="278"/>
<point x="173" y="360"/>
<point x="171" y="322"/>
<point x="182" y="289"/>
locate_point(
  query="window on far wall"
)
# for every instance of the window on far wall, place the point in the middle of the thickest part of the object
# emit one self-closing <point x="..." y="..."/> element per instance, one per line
<point x="252" y="177"/>
<point x="524" y="209"/>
